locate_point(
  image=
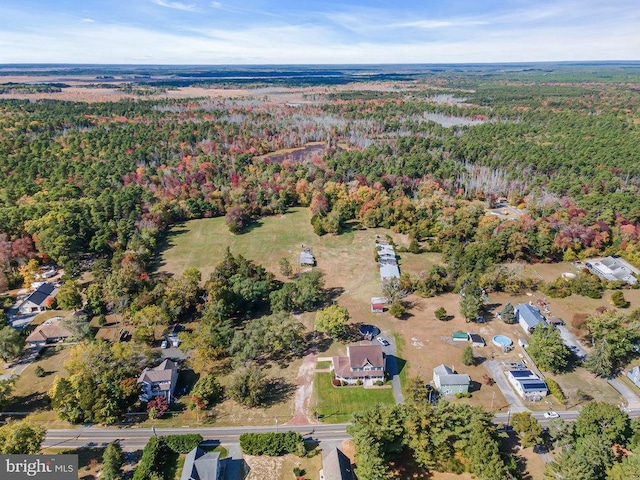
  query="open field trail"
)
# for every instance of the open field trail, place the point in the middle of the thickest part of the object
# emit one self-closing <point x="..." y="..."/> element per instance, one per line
<point x="303" y="392"/>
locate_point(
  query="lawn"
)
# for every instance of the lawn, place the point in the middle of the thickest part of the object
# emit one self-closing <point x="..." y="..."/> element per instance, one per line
<point x="30" y="390"/>
<point x="281" y="468"/>
<point x="336" y="404"/>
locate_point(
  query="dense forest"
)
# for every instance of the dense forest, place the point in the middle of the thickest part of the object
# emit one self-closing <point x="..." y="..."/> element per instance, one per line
<point x="107" y="178"/>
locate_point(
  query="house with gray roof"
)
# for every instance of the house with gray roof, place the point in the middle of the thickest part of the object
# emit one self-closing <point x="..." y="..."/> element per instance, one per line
<point x="336" y="466"/>
<point x="159" y="380"/>
<point x="529" y="317"/>
<point x="448" y="382"/>
<point x="634" y="375"/>
<point x="201" y="465"/>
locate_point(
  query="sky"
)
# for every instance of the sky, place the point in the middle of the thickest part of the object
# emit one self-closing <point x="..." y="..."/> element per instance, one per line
<point x="214" y="32"/>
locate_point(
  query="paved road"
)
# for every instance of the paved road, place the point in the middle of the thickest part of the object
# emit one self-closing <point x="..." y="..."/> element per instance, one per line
<point x="133" y="438"/>
<point x="392" y="368"/>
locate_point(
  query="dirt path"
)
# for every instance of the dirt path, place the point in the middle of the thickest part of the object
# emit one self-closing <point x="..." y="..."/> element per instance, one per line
<point x="303" y="392"/>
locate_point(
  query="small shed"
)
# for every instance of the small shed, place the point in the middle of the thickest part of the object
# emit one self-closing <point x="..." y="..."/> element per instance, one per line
<point x="476" y="340"/>
<point x="377" y="304"/>
<point x="307" y="258"/>
<point x="460" y="336"/>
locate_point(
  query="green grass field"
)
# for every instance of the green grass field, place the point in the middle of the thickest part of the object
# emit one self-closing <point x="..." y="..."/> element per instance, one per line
<point x="202" y="243"/>
<point x="336" y="404"/>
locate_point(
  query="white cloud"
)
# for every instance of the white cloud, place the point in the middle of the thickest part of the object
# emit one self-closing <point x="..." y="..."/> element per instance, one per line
<point x="217" y="5"/>
<point x="175" y="5"/>
<point x="88" y="20"/>
<point x="82" y="41"/>
<point x="433" y="24"/>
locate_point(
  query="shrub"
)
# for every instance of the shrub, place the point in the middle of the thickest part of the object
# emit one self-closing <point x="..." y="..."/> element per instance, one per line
<point x="272" y="444"/>
<point x="359" y="382"/>
<point x="157" y="406"/>
<point x="379" y="383"/>
<point x="555" y="390"/>
<point x="397" y="309"/>
<point x="487" y="380"/>
<point x="467" y="356"/>
<point x="463" y="395"/>
<point x="618" y="300"/>
<point x="182" y="443"/>
<point x="441" y="314"/>
<point x="39" y="371"/>
<point x="335" y="382"/>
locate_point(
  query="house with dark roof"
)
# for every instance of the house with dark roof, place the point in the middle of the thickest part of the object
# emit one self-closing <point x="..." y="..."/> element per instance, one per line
<point x="201" y="465"/>
<point x="49" y="332"/>
<point x="37" y="301"/>
<point x="159" y="380"/>
<point x="528" y="385"/>
<point x="336" y="466"/>
<point x="448" y="382"/>
<point x="476" y="340"/>
<point x="363" y="362"/>
<point x="529" y="317"/>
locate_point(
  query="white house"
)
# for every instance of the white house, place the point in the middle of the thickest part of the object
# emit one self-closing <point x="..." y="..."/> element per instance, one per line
<point x="37" y="301"/>
<point x="159" y="380"/>
<point x="448" y="382"/>
<point x="527" y="384"/>
<point x="528" y="317"/>
<point x="634" y="375"/>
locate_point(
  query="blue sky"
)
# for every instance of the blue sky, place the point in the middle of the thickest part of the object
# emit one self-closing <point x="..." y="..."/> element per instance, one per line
<point x="310" y="31"/>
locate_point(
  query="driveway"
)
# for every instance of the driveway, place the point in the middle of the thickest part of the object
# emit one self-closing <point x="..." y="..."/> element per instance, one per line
<point x="28" y="356"/>
<point x="632" y="400"/>
<point x="234" y="463"/>
<point x="392" y="368"/>
<point x="497" y="372"/>
<point x="571" y="342"/>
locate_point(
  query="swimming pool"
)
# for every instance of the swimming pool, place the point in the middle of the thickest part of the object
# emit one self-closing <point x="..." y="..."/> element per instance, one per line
<point x="502" y="341"/>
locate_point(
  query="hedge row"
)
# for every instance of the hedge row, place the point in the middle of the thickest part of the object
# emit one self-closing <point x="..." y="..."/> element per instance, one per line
<point x="272" y="444"/>
<point x="153" y="456"/>
<point x="156" y="452"/>
<point x="555" y="390"/>
<point x="182" y="443"/>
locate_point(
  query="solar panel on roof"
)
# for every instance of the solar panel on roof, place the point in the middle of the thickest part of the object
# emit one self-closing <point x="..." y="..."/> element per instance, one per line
<point x="520" y="373"/>
<point x="534" y="385"/>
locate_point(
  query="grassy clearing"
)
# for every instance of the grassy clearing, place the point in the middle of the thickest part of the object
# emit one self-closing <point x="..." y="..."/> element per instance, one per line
<point x="323" y="365"/>
<point x="30" y="390"/>
<point x="336" y="404"/>
<point x="403" y="364"/>
<point x="44" y="316"/>
<point x="89" y="460"/>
